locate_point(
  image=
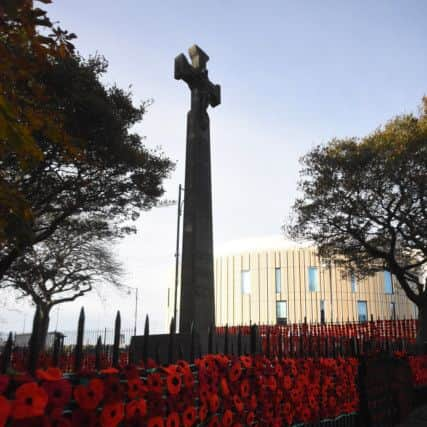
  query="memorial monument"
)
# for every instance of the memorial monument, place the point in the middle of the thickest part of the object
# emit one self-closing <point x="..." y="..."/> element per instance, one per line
<point x="197" y="303"/>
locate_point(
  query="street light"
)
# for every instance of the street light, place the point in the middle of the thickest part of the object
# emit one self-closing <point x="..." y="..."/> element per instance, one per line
<point x="167" y="203"/>
<point x="180" y="189"/>
<point x="136" y="305"/>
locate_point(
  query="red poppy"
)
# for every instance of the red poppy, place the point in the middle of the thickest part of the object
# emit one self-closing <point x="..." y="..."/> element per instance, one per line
<point x="245" y="388"/>
<point x="154" y="383"/>
<point x="109" y="371"/>
<point x="305" y="414"/>
<point x="5" y="408"/>
<point x="56" y="419"/>
<point x="203" y="412"/>
<point x="136" y="388"/>
<point x="213" y="401"/>
<point x="271" y="383"/>
<point x="113" y="389"/>
<point x="189" y="416"/>
<point x="227" y="418"/>
<point x="246" y="361"/>
<point x="214" y="421"/>
<point x="136" y="408"/>
<point x="253" y="403"/>
<point x="173" y="382"/>
<point x="30" y="401"/>
<point x="224" y="387"/>
<point x="151" y="364"/>
<point x="84" y="418"/>
<point x="90" y="396"/>
<point x="130" y="372"/>
<point x="172" y="420"/>
<point x="250" y="418"/>
<point x="4" y="382"/>
<point x="238" y="403"/>
<point x="235" y="371"/>
<point x="59" y="392"/>
<point x="155" y="422"/>
<point x="287" y="382"/>
<point x="185" y="366"/>
<point x="112" y="414"/>
<point x="188" y="379"/>
<point x="50" y="374"/>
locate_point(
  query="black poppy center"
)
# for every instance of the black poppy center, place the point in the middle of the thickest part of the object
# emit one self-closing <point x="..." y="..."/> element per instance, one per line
<point x="113" y="413"/>
<point x="57" y="393"/>
<point x="115" y="388"/>
<point x="29" y="400"/>
<point x="91" y="393"/>
<point x="175" y="381"/>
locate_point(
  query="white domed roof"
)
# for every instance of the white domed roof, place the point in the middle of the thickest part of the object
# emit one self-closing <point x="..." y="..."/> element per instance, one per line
<point x="253" y="244"/>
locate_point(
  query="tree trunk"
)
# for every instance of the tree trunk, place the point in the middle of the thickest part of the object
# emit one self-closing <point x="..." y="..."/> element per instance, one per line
<point x="44" y="324"/>
<point x="422" y="327"/>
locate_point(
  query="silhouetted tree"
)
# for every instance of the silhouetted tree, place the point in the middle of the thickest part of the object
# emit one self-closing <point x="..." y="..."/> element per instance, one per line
<point x="364" y="203"/>
<point x="62" y="268"/>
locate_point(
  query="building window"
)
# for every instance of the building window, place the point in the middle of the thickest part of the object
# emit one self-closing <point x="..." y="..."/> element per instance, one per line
<point x="388" y="283"/>
<point x="281" y="311"/>
<point x="393" y="310"/>
<point x="362" y="310"/>
<point x="246" y="282"/>
<point x="278" y="279"/>
<point x="353" y="282"/>
<point x="313" y="279"/>
<point x="322" y="311"/>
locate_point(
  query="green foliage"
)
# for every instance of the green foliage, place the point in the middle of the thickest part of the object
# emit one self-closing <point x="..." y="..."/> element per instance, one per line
<point x="92" y="169"/>
<point x="364" y="202"/>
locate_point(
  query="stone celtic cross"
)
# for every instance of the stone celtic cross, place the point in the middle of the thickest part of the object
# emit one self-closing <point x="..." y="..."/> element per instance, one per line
<point x="197" y="305"/>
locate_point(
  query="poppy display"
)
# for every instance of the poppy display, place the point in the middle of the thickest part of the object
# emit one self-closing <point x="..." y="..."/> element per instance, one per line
<point x="89" y="397"/>
<point x="112" y="414"/>
<point x="173" y="381"/>
<point x="5" y="408"/>
<point x="216" y="390"/>
<point x="50" y="374"/>
<point x="30" y="401"/>
<point x="136" y="409"/>
<point x="59" y="392"/>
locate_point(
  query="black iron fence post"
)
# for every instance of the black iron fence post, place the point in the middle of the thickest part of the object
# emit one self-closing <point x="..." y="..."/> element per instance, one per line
<point x="116" y="344"/>
<point x="6" y="355"/>
<point x="78" y="353"/>
<point x="146" y="340"/>
<point x="34" y="344"/>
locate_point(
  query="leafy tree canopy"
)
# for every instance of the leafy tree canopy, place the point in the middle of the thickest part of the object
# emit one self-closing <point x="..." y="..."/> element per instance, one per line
<point x="364" y="202"/>
<point x="102" y="176"/>
<point x="24" y="112"/>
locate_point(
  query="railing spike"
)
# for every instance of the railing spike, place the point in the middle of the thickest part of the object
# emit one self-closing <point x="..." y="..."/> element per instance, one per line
<point x="78" y="353"/>
<point x="6" y="355"/>
<point x="145" y="347"/>
<point x="116" y="344"/>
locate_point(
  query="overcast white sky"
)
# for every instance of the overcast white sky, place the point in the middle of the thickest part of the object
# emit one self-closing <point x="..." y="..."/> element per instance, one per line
<point x="293" y="74"/>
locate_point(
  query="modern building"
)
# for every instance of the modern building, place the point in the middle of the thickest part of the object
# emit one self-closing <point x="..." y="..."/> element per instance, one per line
<point x="273" y="280"/>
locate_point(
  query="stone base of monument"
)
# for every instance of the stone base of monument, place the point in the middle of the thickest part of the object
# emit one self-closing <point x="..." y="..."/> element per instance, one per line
<point x="168" y="348"/>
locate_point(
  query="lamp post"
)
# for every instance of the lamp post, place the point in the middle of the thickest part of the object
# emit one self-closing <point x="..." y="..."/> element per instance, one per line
<point x="136" y="306"/>
<point x="180" y="189"/>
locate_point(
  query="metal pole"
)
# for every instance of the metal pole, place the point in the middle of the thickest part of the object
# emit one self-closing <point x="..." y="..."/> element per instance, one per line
<point x="177" y="255"/>
<point x="136" y="311"/>
<point x="330" y="287"/>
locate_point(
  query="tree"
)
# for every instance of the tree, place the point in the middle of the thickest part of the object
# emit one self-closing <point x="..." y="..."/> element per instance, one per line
<point x="24" y="112"/>
<point x="364" y="204"/>
<point x="107" y="181"/>
<point x="62" y="268"/>
<point x="90" y="167"/>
